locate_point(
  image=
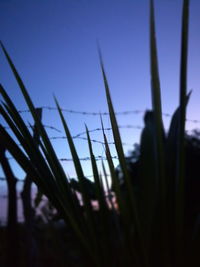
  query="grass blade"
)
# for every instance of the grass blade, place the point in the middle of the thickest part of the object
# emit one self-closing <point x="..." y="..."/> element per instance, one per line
<point x="107" y="187"/>
<point x="115" y="180"/>
<point x="64" y="193"/>
<point x="159" y="143"/>
<point x="181" y="141"/>
<point x="22" y="159"/>
<point x="103" y="208"/>
<point x="86" y="200"/>
<point x="156" y="105"/>
<point x="99" y="188"/>
<point x="55" y="164"/>
<point x="118" y="145"/>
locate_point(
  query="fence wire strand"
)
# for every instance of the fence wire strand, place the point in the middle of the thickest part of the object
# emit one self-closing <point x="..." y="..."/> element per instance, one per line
<point x="105" y="113"/>
<point x="80" y="135"/>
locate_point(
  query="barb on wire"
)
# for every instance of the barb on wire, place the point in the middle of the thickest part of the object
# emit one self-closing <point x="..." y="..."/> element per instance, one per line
<point x="45" y="126"/>
<point x="88" y="158"/>
<point x="85" y="139"/>
<point x="86" y="112"/>
<point x="128" y="112"/>
<point x="52" y="128"/>
<point x="109" y="129"/>
<point x="82" y="159"/>
<point x="79" y="135"/>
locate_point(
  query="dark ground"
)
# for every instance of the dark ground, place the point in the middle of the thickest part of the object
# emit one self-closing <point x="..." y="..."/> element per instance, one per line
<point x="56" y="246"/>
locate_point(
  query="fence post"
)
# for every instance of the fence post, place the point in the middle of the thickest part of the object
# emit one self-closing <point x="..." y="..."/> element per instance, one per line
<point x="30" y="244"/>
<point x="12" y="226"/>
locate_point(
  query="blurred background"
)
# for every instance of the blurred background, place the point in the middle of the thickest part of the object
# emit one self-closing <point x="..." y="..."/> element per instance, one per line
<point x="53" y="44"/>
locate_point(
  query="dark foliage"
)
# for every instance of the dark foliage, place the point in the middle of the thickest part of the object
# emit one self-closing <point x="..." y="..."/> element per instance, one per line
<point x="192" y="178"/>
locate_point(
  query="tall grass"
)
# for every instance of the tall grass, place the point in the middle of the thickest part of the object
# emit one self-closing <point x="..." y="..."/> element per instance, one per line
<point x="146" y="230"/>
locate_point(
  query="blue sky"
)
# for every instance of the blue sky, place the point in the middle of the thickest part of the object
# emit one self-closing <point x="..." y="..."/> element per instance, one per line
<point x="53" y="45"/>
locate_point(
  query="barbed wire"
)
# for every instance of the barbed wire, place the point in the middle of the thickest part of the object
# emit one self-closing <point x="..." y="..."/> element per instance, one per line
<point x="29" y="126"/>
<point x="85" y="139"/>
<point x="79" y="135"/>
<point x="88" y="158"/>
<point x="81" y="159"/>
<point x="91" y="113"/>
<point x="109" y="129"/>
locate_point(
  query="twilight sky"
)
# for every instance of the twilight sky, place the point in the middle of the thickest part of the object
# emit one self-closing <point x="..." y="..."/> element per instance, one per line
<point x="53" y="46"/>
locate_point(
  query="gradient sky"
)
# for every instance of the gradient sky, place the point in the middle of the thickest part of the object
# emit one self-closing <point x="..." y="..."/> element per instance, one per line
<point x="53" y="45"/>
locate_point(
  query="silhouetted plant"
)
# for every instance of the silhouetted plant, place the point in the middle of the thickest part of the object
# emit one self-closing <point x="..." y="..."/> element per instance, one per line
<point x="192" y="171"/>
<point x="150" y="227"/>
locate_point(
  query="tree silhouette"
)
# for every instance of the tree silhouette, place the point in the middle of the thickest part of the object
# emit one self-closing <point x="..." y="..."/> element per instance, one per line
<point x="192" y="174"/>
